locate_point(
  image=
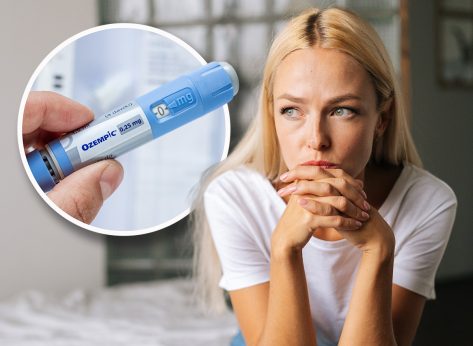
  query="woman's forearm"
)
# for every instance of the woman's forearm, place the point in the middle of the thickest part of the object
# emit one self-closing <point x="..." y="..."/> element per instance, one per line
<point x="369" y="318"/>
<point x="288" y="320"/>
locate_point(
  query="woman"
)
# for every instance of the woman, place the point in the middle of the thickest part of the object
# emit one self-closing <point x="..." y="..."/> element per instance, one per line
<point x="326" y="228"/>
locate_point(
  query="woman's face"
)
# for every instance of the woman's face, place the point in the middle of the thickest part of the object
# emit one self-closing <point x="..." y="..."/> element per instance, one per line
<point x="325" y="110"/>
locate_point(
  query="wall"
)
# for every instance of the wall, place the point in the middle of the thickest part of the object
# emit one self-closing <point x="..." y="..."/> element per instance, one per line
<point x="38" y="249"/>
<point x="442" y="125"/>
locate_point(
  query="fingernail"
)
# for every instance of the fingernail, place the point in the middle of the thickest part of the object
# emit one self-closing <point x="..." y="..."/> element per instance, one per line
<point x="366" y="206"/>
<point x="288" y="189"/>
<point x="358" y="224"/>
<point x="111" y="177"/>
<point x="284" y="176"/>
<point x="364" y="194"/>
<point x="365" y="215"/>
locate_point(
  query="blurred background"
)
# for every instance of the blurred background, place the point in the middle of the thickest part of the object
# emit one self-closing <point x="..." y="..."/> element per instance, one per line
<point x="430" y="43"/>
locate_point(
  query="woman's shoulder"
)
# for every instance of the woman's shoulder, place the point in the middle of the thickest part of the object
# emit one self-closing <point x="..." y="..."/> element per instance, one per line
<point x="242" y="193"/>
<point x="418" y="195"/>
<point x="418" y="200"/>
<point x="424" y="184"/>
<point x="236" y="180"/>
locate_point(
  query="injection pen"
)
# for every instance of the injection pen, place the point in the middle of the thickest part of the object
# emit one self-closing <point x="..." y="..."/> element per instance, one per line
<point x="150" y="116"/>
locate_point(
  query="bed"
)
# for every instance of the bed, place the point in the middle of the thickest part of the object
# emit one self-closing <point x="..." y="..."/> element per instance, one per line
<point x="154" y="313"/>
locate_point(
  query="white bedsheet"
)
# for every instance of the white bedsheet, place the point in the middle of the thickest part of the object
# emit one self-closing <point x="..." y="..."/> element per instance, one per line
<point x="156" y="313"/>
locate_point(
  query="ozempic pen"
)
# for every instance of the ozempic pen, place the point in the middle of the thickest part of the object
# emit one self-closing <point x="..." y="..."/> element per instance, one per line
<point x="137" y="122"/>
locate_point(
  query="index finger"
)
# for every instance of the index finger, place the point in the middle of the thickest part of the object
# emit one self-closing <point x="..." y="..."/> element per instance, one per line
<point x="340" y="173"/>
<point x="317" y="173"/>
<point x="305" y="172"/>
<point x="53" y="112"/>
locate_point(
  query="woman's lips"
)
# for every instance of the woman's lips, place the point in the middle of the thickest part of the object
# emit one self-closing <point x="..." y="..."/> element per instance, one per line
<point x="321" y="163"/>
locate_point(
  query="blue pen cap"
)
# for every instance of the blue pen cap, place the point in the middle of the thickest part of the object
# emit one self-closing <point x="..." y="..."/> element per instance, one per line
<point x="233" y="76"/>
<point x="40" y="171"/>
<point x="217" y="83"/>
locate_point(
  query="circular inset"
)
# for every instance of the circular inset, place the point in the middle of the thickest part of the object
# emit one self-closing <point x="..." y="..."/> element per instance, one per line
<point x="106" y="67"/>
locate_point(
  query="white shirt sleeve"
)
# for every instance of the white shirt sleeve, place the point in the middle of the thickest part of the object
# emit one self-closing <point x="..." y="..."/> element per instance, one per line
<point x="244" y="262"/>
<point x="420" y="252"/>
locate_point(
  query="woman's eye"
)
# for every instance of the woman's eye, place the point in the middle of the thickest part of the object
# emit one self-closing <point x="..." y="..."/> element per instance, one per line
<point x="289" y="112"/>
<point x="343" y="111"/>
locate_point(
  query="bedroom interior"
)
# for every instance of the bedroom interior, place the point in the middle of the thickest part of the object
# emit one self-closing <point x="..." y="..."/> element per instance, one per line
<point x="136" y="290"/>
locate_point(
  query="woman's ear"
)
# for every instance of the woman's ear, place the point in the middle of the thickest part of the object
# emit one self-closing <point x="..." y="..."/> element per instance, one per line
<point x="385" y="115"/>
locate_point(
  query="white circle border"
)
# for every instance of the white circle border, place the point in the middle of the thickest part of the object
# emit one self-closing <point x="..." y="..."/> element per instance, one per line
<point x="35" y="74"/>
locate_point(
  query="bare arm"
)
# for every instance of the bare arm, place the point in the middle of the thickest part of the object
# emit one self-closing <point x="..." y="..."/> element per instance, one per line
<point x="407" y="308"/>
<point x="285" y="317"/>
<point x="288" y="301"/>
<point x="386" y="314"/>
<point x="383" y="320"/>
<point x="251" y="306"/>
<point x="277" y="313"/>
<point x="369" y="321"/>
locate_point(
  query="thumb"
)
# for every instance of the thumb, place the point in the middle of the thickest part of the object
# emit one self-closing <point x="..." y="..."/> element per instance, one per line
<point x="82" y="193"/>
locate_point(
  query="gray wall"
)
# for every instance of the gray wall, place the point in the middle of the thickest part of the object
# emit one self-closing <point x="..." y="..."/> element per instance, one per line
<point x="442" y="125"/>
<point x="38" y="248"/>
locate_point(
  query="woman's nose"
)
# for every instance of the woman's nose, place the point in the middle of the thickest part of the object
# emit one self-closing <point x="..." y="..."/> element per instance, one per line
<point x="317" y="136"/>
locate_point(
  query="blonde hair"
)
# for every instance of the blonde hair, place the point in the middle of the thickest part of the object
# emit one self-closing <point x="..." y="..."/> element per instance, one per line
<point x="331" y="28"/>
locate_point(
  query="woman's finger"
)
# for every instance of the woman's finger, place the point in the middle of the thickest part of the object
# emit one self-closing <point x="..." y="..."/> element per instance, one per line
<point x="333" y="205"/>
<point x="305" y="173"/>
<point x="338" y="222"/>
<point x="327" y="187"/>
<point x="349" y="191"/>
<point x="306" y="187"/>
<point x="316" y="173"/>
<point x="316" y="207"/>
<point x="340" y="173"/>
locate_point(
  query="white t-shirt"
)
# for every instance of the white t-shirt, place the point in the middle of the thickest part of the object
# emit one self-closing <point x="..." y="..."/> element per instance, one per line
<point x="243" y="209"/>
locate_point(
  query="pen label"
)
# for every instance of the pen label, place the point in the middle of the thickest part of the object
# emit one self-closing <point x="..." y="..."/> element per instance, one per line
<point x="107" y="138"/>
<point x="130" y="125"/>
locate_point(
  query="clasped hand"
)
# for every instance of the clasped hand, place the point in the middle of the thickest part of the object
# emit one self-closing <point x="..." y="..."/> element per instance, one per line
<point x="329" y="198"/>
